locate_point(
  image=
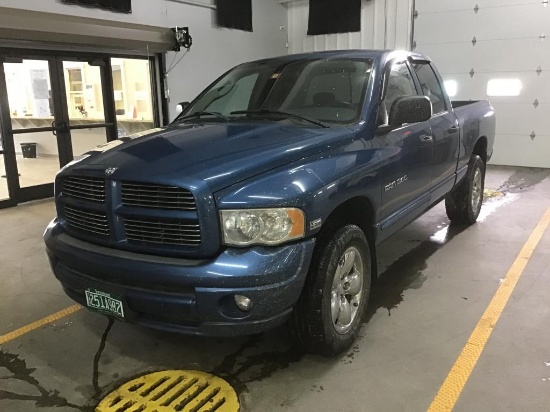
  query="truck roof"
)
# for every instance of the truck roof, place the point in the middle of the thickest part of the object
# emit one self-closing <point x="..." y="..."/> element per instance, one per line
<point x="354" y="53"/>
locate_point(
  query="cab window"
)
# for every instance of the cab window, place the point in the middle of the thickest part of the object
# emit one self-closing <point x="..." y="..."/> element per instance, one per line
<point x="431" y="88"/>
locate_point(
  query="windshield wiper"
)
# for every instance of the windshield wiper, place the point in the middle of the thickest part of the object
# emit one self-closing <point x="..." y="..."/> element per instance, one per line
<point x="200" y="114"/>
<point x="281" y="114"/>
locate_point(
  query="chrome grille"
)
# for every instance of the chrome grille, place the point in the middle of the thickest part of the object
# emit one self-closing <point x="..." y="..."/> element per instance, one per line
<point x="87" y="221"/>
<point x="86" y="188"/>
<point x="163" y="231"/>
<point x="157" y="197"/>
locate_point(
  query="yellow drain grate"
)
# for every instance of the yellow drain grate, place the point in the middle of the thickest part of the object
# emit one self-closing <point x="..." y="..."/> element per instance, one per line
<point x="186" y="391"/>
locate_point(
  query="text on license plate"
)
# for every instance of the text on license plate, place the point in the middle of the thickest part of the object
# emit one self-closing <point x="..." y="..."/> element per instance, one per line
<point x="104" y="302"/>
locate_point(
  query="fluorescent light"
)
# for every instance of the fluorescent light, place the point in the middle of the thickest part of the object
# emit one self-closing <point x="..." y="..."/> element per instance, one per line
<point x="451" y="86"/>
<point x="504" y="87"/>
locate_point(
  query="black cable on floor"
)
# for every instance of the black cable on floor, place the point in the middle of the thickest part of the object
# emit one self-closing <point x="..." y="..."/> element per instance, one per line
<point x="97" y="357"/>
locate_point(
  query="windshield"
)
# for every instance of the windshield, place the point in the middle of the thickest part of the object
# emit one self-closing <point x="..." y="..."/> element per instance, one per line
<point x="328" y="91"/>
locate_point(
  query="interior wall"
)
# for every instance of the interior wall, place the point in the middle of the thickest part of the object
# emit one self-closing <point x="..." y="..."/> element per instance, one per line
<point x="83" y="140"/>
<point x="385" y="24"/>
<point x="477" y="41"/>
<point x="214" y="51"/>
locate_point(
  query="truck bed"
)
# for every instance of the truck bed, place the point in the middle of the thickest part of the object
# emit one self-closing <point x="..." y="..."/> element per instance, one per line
<point x="476" y="119"/>
<point x="460" y="103"/>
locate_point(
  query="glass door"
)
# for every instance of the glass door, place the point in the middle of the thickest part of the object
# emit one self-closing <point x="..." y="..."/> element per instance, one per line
<point x="32" y="121"/>
<point x="56" y="109"/>
<point x="88" y="106"/>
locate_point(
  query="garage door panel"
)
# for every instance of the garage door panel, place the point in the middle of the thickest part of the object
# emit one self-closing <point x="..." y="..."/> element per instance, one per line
<point x="439" y="6"/>
<point x="521" y="151"/>
<point x="503" y="22"/>
<point x="533" y="87"/>
<point x="520" y="119"/>
<point x="457" y="26"/>
<point x="498" y="56"/>
<point x="496" y="23"/>
<point x="468" y="88"/>
<point x="508" y="46"/>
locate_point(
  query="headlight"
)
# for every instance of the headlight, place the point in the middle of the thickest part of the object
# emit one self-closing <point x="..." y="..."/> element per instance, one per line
<point x="261" y="226"/>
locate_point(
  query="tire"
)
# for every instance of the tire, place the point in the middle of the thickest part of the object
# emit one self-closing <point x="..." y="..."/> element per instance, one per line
<point x="315" y="326"/>
<point x="463" y="204"/>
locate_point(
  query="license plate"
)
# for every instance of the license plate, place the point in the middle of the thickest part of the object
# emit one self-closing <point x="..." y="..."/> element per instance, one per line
<point x="104" y="303"/>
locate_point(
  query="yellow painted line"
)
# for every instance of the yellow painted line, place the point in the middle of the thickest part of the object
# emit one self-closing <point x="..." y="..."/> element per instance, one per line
<point x="39" y="323"/>
<point x="449" y="392"/>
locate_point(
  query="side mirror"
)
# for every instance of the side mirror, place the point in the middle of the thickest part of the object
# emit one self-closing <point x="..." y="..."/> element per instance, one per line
<point x="181" y="107"/>
<point x="410" y="109"/>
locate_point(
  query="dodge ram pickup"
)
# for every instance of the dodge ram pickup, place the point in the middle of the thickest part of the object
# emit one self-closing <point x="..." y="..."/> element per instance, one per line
<point x="263" y="202"/>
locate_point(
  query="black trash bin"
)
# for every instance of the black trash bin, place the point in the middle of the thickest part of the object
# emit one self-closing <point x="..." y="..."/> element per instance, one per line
<point x="29" y="150"/>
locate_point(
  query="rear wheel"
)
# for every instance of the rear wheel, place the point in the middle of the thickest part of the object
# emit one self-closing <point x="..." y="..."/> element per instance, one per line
<point x="464" y="203"/>
<point x="329" y="313"/>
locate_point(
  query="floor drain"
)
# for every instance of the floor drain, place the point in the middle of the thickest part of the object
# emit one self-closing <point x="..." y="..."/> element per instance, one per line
<point x="177" y="390"/>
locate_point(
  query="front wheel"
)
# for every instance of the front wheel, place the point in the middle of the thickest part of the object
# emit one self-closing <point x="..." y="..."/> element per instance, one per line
<point x="329" y="313"/>
<point x="464" y="203"/>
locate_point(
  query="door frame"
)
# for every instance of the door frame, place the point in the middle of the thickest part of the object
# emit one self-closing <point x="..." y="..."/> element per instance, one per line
<point x="62" y="126"/>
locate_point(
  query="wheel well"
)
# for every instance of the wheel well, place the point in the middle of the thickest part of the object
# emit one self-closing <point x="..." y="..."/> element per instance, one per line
<point x="357" y="211"/>
<point x="480" y="148"/>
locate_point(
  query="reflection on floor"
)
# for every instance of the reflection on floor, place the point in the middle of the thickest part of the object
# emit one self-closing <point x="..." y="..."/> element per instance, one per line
<point x="32" y="172"/>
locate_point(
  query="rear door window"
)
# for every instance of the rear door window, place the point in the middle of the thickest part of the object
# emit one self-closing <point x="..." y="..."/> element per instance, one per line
<point x="431" y="87"/>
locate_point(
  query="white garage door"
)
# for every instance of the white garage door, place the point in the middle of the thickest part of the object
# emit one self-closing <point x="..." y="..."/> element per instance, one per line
<point x="497" y="50"/>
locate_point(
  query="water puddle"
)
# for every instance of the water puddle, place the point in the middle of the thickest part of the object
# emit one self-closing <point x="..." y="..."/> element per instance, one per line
<point x="407" y="272"/>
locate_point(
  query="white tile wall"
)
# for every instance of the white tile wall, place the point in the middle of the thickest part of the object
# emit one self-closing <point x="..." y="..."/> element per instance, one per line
<point x="377" y="32"/>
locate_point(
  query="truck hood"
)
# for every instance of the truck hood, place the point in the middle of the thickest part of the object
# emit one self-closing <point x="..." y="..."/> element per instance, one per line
<point x="218" y="154"/>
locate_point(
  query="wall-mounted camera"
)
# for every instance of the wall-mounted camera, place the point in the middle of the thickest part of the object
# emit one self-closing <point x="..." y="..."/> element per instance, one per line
<point x="183" y="38"/>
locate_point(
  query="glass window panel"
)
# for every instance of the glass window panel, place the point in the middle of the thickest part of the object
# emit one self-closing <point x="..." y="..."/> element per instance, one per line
<point x="132" y="89"/>
<point x="85" y="140"/>
<point x="29" y="94"/>
<point x="4" y="194"/>
<point x="400" y="83"/>
<point x="238" y="98"/>
<point x="504" y="87"/>
<point x="430" y="86"/>
<point x="84" y="93"/>
<point x="451" y="86"/>
<point x="37" y="158"/>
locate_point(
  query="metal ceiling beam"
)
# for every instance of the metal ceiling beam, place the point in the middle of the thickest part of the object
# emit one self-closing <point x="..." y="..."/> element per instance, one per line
<point x="36" y="26"/>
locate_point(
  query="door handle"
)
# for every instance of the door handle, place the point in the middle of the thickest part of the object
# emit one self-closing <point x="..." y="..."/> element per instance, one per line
<point x="426" y="138"/>
<point x="59" y="128"/>
<point x="453" y="129"/>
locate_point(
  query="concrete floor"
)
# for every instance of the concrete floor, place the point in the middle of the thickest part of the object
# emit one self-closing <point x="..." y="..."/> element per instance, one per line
<point x="32" y="172"/>
<point x="436" y="283"/>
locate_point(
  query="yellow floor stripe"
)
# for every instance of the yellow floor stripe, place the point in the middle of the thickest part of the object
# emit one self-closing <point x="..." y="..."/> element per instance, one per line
<point x="39" y="323"/>
<point x="449" y="392"/>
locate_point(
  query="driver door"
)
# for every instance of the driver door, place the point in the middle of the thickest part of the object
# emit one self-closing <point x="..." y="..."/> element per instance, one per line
<point x="406" y="154"/>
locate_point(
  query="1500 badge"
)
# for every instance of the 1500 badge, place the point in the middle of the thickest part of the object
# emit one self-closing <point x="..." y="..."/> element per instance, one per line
<point x="395" y="183"/>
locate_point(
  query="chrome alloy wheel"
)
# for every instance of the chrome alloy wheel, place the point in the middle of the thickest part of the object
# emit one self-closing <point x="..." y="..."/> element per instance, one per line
<point x="476" y="190"/>
<point x="347" y="290"/>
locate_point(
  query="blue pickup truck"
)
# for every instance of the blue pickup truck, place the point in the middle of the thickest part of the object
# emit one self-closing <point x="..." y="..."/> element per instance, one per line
<point x="264" y="201"/>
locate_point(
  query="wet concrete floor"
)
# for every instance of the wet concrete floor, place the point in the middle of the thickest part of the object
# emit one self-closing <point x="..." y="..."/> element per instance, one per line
<point x="436" y="282"/>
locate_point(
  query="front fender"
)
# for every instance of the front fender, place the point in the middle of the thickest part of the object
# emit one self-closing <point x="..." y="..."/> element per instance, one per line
<point x="315" y="185"/>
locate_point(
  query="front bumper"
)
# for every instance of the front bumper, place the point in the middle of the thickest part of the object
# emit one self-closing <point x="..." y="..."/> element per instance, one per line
<point x="187" y="296"/>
